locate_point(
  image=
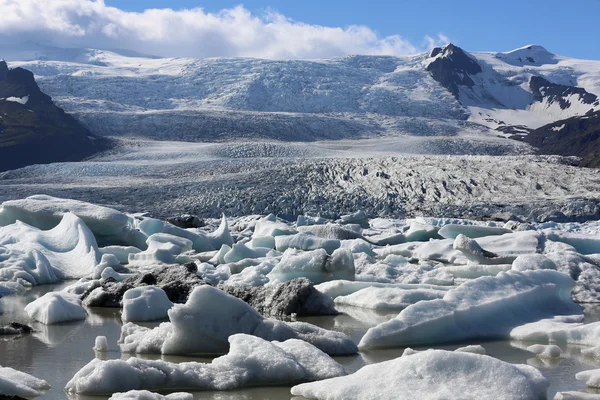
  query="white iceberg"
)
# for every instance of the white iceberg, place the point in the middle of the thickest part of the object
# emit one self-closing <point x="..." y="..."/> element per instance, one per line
<point x="433" y="374"/>
<point x="55" y="307"/>
<point x="251" y="361"/>
<point x="451" y="231"/>
<point x="337" y="288"/>
<point x="45" y="212"/>
<point x="315" y="265"/>
<point x="146" y="303"/>
<point x="560" y="329"/>
<point x="487" y="307"/>
<point x="39" y="257"/>
<point x="146" y="395"/>
<point x="545" y="351"/>
<point x="305" y="241"/>
<point x="17" y="383"/>
<point x="210" y="317"/>
<point x="390" y="298"/>
<point x="162" y="248"/>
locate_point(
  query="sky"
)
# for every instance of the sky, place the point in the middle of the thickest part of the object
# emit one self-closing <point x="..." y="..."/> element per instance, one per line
<point x="292" y="29"/>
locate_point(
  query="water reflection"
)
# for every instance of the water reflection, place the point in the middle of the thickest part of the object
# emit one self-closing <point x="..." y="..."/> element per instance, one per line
<point x="56" y="352"/>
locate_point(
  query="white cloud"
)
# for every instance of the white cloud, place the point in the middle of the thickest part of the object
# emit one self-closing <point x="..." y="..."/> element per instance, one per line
<point x="191" y="33"/>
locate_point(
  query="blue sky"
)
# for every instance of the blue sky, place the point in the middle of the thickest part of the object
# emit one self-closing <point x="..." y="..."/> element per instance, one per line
<point x="567" y="28"/>
<point x="308" y="29"/>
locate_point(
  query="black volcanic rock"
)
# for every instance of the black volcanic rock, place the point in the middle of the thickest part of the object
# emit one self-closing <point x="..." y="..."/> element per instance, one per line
<point x="452" y="68"/>
<point x="15" y="328"/>
<point x="36" y="131"/>
<point x="177" y="281"/>
<point x="543" y="89"/>
<point x="297" y="296"/>
<point x="576" y="136"/>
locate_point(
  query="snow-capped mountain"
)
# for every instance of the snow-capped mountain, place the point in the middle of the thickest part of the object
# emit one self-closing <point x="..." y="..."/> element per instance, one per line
<point x="445" y="92"/>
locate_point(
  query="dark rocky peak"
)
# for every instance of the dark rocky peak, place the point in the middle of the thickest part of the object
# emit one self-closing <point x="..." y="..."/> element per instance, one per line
<point x="20" y="82"/>
<point x="453" y="67"/>
<point x="3" y="69"/>
<point x="544" y="90"/>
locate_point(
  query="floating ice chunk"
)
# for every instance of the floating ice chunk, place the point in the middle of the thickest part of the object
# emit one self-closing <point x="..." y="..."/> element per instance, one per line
<point x="163" y="248"/>
<point x="331" y="231"/>
<point x="121" y="252"/>
<point x="437" y="250"/>
<point x="210" y="316"/>
<point x="199" y="241"/>
<point x="572" y="395"/>
<point x="487" y="307"/>
<point x="532" y="262"/>
<point x="262" y="241"/>
<point x="451" y="231"/>
<point x="304" y="220"/>
<point x="475" y="349"/>
<point x="146" y="303"/>
<point x="561" y="329"/>
<point x="545" y="351"/>
<point x="251" y="361"/>
<point x="359" y="217"/>
<point x="357" y="246"/>
<point x="315" y="265"/>
<point x="55" y="307"/>
<point x="420" y="231"/>
<point x="474" y="253"/>
<point x="337" y="288"/>
<point x="82" y="286"/>
<point x="214" y="276"/>
<point x="512" y="244"/>
<point x="17" y="383"/>
<point x="253" y="275"/>
<point x="381" y="298"/>
<point x="101" y="344"/>
<point x="147" y="395"/>
<point x="591" y="377"/>
<point x="433" y="374"/>
<point x="219" y="257"/>
<point x="67" y="250"/>
<point x="240" y="251"/>
<point x="584" y="244"/>
<point x="45" y="212"/>
<point x="266" y="227"/>
<point x="304" y="241"/>
<point x="473" y="271"/>
<point x="221" y="235"/>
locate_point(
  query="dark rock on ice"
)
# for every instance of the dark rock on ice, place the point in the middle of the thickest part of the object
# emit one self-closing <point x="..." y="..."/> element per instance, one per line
<point x="186" y="221"/>
<point x="297" y="296"/>
<point x="177" y="281"/>
<point x="15" y="328"/>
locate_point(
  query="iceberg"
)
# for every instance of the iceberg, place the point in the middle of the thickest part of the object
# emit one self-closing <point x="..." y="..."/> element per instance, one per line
<point x="17" y="383"/>
<point x="45" y="212"/>
<point x="315" y="265"/>
<point x="390" y="298"/>
<point x="35" y="256"/>
<point x="486" y="307"/>
<point x="146" y="395"/>
<point x="451" y="231"/>
<point x="146" y="303"/>
<point x="55" y="307"/>
<point x="433" y="374"/>
<point x="251" y="361"/>
<point x="210" y="317"/>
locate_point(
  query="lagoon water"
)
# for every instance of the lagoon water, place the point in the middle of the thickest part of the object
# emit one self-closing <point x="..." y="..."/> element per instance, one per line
<point x="56" y="352"/>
